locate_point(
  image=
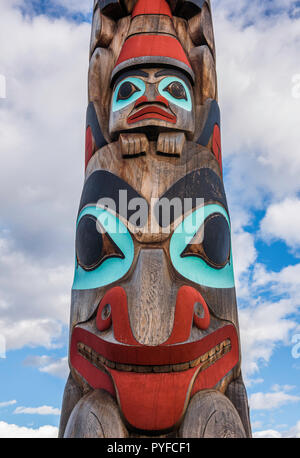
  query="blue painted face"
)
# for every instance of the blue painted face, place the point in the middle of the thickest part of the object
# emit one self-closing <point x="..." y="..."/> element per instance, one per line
<point x="127" y="92"/>
<point x="200" y="248"/>
<point x="176" y="91"/>
<point x="135" y="95"/>
<point x="104" y="247"/>
<point x="172" y="88"/>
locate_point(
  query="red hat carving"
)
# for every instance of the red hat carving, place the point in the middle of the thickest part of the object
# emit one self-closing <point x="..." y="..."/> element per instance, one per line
<point x="153" y="41"/>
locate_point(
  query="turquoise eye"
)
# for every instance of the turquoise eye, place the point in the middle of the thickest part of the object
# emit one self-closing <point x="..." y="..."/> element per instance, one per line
<point x="97" y="266"/>
<point x="127" y="92"/>
<point x="176" y="91"/>
<point x="195" y="259"/>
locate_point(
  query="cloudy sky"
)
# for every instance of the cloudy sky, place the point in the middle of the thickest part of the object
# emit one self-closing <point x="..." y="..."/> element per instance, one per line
<point x="43" y="61"/>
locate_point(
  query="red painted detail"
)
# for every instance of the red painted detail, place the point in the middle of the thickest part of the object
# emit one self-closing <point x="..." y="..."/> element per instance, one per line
<point x="102" y="323"/>
<point x="217" y="145"/>
<point x="94" y="376"/>
<point x="183" y="320"/>
<point x="163" y="100"/>
<point x="159" y="355"/>
<point x="140" y="101"/>
<point x="117" y="299"/>
<point x="158" y="99"/>
<point x="153" y="402"/>
<point x="211" y="376"/>
<point x="89" y="148"/>
<point x="151" y="112"/>
<point x="204" y="322"/>
<point x="152" y="46"/>
<point x="151" y="7"/>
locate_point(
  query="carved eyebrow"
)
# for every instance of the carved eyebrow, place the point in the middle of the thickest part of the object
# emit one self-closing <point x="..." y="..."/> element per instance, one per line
<point x="102" y="184"/>
<point x="133" y="72"/>
<point x="173" y="72"/>
<point x="199" y="184"/>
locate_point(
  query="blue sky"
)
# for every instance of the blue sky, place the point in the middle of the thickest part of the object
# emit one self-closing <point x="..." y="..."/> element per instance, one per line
<point x="44" y="58"/>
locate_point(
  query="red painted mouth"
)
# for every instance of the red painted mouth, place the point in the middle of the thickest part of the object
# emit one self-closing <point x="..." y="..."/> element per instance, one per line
<point x="153" y="384"/>
<point x="106" y="365"/>
<point x="152" y="112"/>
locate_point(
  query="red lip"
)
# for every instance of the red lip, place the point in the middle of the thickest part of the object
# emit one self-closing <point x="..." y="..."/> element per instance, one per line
<point x="151" y="112"/>
<point x="142" y="395"/>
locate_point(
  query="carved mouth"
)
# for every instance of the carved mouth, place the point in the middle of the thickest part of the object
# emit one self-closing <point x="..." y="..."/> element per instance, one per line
<point x="152" y="112"/>
<point x="205" y="360"/>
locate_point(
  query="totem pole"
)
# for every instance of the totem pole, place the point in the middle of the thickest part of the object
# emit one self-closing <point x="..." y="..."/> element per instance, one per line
<point x="154" y="334"/>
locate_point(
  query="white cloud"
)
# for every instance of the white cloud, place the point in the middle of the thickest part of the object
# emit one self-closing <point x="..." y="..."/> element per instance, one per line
<point x="293" y="432"/>
<point x="47" y="364"/>
<point x="282" y="222"/>
<point x="7" y="403"/>
<point x="58" y="368"/>
<point x="42" y="155"/>
<point x="273" y="400"/>
<point x="268" y="434"/>
<point x="42" y="410"/>
<point x="11" y="431"/>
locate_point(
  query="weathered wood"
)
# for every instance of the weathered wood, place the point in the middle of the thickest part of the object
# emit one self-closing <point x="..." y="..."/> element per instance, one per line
<point x="133" y="145"/>
<point x="96" y="415"/>
<point x="211" y="415"/>
<point x="154" y="333"/>
<point x="171" y="144"/>
<point x="237" y="394"/>
<point x="201" y="29"/>
<point x="103" y="29"/>
<point x="72" y="395"/>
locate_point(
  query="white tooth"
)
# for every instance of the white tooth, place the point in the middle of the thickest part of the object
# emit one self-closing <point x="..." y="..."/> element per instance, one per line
<point x="204" y="357"/>
<point x="211" y="352"/>
<point x="161" y="369"/>
<point x="195" y="363"/>
<point x="124" y="367"/>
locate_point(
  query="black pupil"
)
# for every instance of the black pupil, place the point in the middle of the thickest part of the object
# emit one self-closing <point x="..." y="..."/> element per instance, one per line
<point x="126" y="90"/>
<point x="216" y="241"/>
<point x="89" y="242"/>
<point x="177" y="90"/>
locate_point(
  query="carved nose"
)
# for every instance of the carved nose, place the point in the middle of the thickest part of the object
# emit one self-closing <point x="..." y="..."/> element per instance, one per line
<point x="158" y="99"/>
<point x="151" y="298"/>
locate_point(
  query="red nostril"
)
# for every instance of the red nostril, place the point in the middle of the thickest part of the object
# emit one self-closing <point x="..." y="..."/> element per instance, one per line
<point x="161" y="99"/>
<point x="140" y="101"/>
<point x="201" y="314"/>
<point x="103" y="320"/>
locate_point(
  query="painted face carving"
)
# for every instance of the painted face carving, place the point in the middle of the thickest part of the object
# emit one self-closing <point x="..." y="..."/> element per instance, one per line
<point x="154" y="338"/>
<point x="110" y="350"/>
<point x="152" y="97"/>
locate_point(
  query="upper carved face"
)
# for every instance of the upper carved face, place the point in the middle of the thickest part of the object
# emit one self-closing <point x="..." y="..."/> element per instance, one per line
<point x="159" y="98"/>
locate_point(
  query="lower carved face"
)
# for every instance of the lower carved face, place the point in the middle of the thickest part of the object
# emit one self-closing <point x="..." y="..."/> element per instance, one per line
<point x="158" y="326"/>
<point x="151" y="98"/>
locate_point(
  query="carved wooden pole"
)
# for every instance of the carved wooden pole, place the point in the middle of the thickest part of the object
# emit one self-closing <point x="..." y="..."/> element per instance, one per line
<point x="154" y="338"/>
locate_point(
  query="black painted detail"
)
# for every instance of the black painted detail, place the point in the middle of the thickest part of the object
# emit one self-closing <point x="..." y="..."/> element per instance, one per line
<point x="92" y="121"/>
<point x="112" y="8"/>
<point x="89" y="242"/>
<point x="199" y="184"/>
<point x="212" y="242"/>
<point x="188" y="9"/>
<point x="217" y="240"/>
<point x="213" y="118"/>
<point x="116" y="194"/>
<point x="94" y="245"/>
